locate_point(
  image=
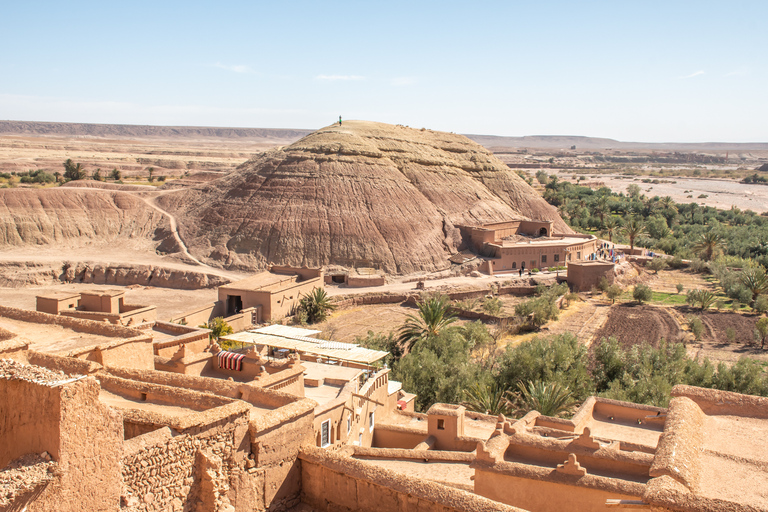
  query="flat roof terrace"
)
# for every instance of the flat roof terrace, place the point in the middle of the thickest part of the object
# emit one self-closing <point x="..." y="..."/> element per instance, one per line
<point x="263" y="281"/>
<point x="52" y="338"/>
<point x="332" y="379"/>
<point x="734" y="463"/>
<point x="454" y="474"/>
<point x="543" y="242"/>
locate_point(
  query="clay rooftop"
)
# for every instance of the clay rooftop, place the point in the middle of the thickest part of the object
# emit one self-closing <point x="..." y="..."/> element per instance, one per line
<point x="60" y="295"/>
<point x="263" y="281"/>
<point x="542" y="242"/>
<point x="53" y="338"/>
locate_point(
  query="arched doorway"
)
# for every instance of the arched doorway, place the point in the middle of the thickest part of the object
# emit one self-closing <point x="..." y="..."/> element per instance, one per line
<point x="543" y="232"/>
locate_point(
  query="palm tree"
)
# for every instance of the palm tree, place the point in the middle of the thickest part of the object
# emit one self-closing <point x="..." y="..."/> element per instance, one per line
<point x="755" y="280"/>
<point x="633" y="228"/>
<point x="487" y="399"/>
<point x="73" y="171"/>
<point x="610" y="228"/>
<point x="692" y="209"/>
<point x="708" y="243"/>
<point x="316" y="304"/>
<point x="549" y="399"/>
<point x="668" y="203"/>
<point x="434" y="317"/>
<point x="601" y="208"/>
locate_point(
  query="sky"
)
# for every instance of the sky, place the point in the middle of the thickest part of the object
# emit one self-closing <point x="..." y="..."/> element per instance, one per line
<point x="645" y="71"/>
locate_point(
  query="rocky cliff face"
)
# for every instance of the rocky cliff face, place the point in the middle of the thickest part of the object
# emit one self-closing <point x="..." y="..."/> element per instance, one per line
<point x="360" y="194"/>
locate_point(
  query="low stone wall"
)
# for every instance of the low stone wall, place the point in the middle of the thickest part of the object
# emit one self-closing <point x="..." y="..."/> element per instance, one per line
<point x="68" y="365"/>
<point x="14" y="348"/>
<point x="678" y="453"/>
<point x="163" y="472"/>
<point x="201" y="315"/>
<point x="136" y="316"/>
<point x="398" y="437"/>
<point x="365" y="281"/>
<point x="413" y="297"/>
<point x="332" y="481"/>
<point x="541" y="488"/>
<point x="76" y="324"/>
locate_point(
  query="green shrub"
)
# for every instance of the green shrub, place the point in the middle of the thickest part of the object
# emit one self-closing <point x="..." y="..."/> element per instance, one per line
<point x="676" y="262"/>
<point x="761" y="304"/>
<point x="696" y="326"/>
<point x="642" y="293"/>
<point x="679" y="287"/>
<point x="614" y="292"/>
<point x="492" y="305"/>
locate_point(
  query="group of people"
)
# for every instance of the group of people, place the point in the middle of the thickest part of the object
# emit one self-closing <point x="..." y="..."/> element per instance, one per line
<point x="605" y="251"/>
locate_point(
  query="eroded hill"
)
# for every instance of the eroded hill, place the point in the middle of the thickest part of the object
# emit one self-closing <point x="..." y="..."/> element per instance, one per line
<point x="361" y="194"/>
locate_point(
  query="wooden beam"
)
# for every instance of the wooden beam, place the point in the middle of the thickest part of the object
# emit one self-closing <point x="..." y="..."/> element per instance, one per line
<point x="367" y="398"/>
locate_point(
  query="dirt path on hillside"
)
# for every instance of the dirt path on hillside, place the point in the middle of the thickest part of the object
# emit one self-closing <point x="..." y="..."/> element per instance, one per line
<point x="150" y="198"/>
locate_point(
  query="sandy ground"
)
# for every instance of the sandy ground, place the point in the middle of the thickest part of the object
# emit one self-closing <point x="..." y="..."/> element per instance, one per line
<point x="169" y="302"/>
<point x="721" y="193"/>
<point x="171" y="157"/>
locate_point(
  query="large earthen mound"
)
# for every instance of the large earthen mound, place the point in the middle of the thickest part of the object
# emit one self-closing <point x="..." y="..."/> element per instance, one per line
<point x="360" y="194"/>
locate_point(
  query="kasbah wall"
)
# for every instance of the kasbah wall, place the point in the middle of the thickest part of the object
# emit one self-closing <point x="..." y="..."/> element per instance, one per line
<point x="215" y="459"/>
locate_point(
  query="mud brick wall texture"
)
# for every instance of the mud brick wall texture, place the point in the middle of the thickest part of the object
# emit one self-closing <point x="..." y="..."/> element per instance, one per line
<point x="167" y="474"/>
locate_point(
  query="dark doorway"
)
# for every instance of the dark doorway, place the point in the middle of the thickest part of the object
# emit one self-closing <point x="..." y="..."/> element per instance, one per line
<point x="234" y="304"/>
<point x="543" y="232"/>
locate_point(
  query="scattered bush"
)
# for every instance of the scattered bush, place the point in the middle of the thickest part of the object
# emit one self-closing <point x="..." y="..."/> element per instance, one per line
<point x="700" y="298"/>
<point x="492" y="305"/>
<point x="761" y="304"/>
<point x="698" y="265"/>
<point x="657" y="264"/>
<point x="614" y="292"/>
<point x="642" y="293"/>
<point x="696" y="326"/>
<point x="676" y="262"/>
<point x="219" y="327"/>
<point x="679" y="287"/>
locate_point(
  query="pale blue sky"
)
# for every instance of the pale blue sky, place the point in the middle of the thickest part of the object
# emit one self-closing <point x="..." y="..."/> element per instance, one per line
<point x="628" y="70"/>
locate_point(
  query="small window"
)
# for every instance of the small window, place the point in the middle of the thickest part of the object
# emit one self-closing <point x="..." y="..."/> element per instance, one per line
<point x="325" y="434"/>
<point x="370" y="417"/>
<point x="578" y="255"/>
<point x="557" y="257"/>
<point x="440" y="424"/>
<point x="514" y="264"/>
<point x="349" y="424"/>
<point x="543" y="258"/>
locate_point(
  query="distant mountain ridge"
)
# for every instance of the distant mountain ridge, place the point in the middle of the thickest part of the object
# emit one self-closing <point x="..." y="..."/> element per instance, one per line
<point x="287" y="136"/>
<point x="496" y="142"/>
<point x="145" y="131"/>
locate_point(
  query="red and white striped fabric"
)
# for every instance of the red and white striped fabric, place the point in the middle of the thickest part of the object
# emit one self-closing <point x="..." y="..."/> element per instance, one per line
<point x="230" y="360"/>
